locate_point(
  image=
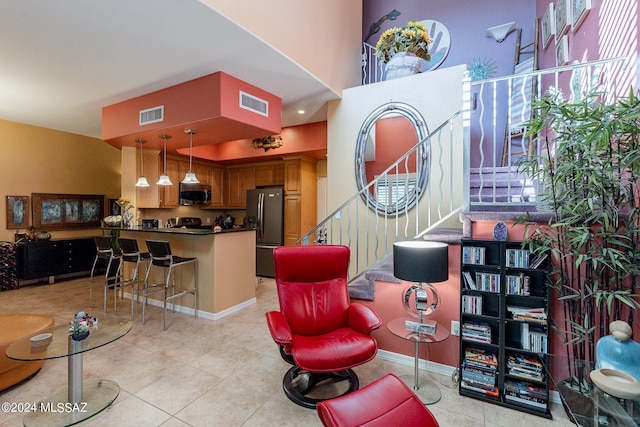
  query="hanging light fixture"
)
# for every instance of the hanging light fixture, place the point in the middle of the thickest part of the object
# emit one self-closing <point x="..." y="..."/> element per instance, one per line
<point x="142" y="181"/>
<point x="190" y="177"/>
<point x="164" y="178"/>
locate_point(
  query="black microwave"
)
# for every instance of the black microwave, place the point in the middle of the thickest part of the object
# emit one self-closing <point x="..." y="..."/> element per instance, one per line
<point x="195" y="194"/>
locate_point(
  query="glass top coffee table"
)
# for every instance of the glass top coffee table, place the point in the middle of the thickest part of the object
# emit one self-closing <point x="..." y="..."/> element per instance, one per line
<point x="588" y="405"/>
<point x="81" y="400"/>
<point x="425" y="389"/>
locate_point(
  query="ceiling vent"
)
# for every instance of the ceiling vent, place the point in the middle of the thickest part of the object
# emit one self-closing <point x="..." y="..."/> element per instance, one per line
<point x="152" y="115"/>
<point x="252" y="103"/>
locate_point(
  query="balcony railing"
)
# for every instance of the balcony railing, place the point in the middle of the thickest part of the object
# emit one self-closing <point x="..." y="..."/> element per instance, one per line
<point x="497" y="110"/>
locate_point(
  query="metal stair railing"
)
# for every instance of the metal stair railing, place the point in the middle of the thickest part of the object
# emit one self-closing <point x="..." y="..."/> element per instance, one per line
<point x="369" y="234"/>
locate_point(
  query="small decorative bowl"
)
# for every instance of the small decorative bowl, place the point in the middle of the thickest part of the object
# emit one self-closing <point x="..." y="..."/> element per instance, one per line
<point x="40" y="342"/>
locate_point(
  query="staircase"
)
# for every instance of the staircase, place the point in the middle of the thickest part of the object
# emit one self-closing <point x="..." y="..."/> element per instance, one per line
<point x="370" y="233"/>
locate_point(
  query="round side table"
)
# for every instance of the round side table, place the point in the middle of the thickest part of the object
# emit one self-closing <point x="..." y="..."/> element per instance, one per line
<point x="425" y="389"/>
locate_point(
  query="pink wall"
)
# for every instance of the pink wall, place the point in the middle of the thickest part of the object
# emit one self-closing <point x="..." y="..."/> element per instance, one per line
<point x="388" y="305"/>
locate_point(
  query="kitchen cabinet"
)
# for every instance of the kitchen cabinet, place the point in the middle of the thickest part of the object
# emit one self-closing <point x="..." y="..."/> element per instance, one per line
<point x="269" y="174"/>
<point x="170" y="194"/>
<point x="47" y="258"/>
<point x="239" y="180"/>
<point x="300" y="197"/>
<point x="217" y="187"/>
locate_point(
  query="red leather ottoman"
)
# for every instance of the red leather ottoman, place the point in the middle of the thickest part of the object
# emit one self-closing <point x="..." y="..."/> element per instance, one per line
<point x="385" y="402"/>
<point x="12" y="327"/>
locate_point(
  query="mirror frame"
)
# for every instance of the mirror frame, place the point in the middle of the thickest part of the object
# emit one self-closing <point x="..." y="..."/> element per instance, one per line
<point x="422" y="167"/>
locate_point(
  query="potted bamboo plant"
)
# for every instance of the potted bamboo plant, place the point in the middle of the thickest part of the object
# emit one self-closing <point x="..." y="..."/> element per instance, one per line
<point x="588" y="171"/>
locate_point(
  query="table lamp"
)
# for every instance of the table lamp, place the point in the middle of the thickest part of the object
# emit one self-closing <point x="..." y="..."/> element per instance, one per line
<point x="425" y="263"/>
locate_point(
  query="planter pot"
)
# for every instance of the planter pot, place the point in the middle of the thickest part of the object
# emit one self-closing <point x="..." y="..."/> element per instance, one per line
<point x="402" y="64"/>
<point x="80" y="336"/>
<point x="577" y="405"/>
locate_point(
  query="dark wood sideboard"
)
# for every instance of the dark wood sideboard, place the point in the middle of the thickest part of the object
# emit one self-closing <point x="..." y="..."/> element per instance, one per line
<point x="49" y="258"/>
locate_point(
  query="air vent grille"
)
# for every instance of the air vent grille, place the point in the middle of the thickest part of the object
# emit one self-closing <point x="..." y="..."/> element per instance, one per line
<point x="252" y="103"/>
<point x="152" y="115"/>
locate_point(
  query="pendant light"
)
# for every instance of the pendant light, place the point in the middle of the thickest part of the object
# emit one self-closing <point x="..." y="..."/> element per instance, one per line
<point x="190" y="177"/>
<point x="164" y="178"/>
<point x="142" y="181"/>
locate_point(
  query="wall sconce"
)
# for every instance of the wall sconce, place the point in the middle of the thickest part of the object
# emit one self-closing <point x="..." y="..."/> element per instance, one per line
<point x="267" y="142"/>
<point x="500" y="32"/>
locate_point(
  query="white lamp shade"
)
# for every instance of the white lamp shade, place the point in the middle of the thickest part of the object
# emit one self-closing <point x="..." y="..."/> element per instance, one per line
<point x="142" y="182"/>
<point x="190" y="178"/>
<point x="164" y="180"/>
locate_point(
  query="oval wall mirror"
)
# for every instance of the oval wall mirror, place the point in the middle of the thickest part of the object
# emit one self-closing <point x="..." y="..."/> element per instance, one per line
<point x="387" y="134"/>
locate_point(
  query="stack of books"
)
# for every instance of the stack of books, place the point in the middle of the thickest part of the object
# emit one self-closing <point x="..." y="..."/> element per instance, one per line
<point x="525" y="394"/>
<point x="473" y="255"/>
<point x="518" y="258"/>
<point x="479" y="371"/>
<point x="535" y="341"/>
<point x="518" y="285"/>
<point x="488" y="282"/>
<point x="480" y="332"/>
<point x="524" y="366"/>
<point x="528" y="314"/>
<point x="537" y="261"/>
<point x="472" y="304"/>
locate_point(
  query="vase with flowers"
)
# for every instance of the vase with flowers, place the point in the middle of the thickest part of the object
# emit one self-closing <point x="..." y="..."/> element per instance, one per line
<point x="403" y="49"/>
<point x="125" y="207"/>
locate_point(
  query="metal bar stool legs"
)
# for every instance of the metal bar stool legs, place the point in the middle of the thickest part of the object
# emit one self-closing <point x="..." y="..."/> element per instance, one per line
<point x="131" y="254"/>
<point x="162" y="257"/>
<point x="105" y="252"/>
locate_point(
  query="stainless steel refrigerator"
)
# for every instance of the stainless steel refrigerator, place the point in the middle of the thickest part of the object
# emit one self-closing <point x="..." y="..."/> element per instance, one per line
<point x="265" y="214"/>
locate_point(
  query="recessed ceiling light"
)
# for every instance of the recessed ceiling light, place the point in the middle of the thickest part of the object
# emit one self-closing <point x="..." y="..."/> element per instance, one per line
<point x="300" y="111"/>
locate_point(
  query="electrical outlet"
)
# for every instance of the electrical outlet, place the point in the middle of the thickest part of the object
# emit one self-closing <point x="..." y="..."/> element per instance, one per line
<point x="208" y="220"/>
<point x="455" y="328"/>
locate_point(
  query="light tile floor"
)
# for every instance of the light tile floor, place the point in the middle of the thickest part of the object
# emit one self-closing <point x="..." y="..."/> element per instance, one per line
<point x="207" y="373"/>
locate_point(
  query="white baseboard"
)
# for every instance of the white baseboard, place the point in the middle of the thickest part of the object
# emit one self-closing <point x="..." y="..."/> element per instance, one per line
<point x="203" y="314"/>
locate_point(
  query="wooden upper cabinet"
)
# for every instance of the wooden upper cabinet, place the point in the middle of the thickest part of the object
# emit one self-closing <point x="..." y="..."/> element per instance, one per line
<point x="269" y="174"/>
<point x="239" y="180"/>
<point x="169" y="194"/>
<point x="217" y="187"/>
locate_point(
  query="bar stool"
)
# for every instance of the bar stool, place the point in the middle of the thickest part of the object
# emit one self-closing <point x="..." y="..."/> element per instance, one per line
<point x="161" y="257"/>
<point x="131" y="253"/>
<point x="105" y="252"/>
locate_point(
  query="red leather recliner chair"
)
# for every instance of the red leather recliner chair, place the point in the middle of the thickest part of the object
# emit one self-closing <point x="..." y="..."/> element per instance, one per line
<point x="318" y="329"/>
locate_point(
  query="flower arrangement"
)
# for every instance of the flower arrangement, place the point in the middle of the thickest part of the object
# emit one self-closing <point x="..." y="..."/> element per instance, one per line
<point x="79" y="326"/>
<point x="413" y="38"/>
<point x="125" y="204"/>
<point x="267" y="142"/>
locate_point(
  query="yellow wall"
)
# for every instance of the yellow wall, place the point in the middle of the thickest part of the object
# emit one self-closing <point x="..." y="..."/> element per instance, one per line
<point x="39" y="160"/>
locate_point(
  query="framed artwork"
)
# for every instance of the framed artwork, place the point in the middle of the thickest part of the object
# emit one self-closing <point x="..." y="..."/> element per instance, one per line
<point x="548" y="26"/>
<point x="562" y="51"/>
<point x="114" y="208"/>
<point x="18" y="212"/>
<point x="563" y="19"/>
<point x="579" y="10"/>
<point x="62" y="211"/>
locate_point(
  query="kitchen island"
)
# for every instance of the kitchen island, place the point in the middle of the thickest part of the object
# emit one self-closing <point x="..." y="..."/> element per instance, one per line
<point x="226" y="267"/>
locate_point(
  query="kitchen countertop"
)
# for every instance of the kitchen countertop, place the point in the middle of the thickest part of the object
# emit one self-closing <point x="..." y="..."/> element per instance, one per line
<point x="191" y="231"/>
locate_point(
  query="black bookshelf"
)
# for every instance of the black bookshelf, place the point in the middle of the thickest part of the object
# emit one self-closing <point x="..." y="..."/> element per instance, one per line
<point x="504" y="308"/>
